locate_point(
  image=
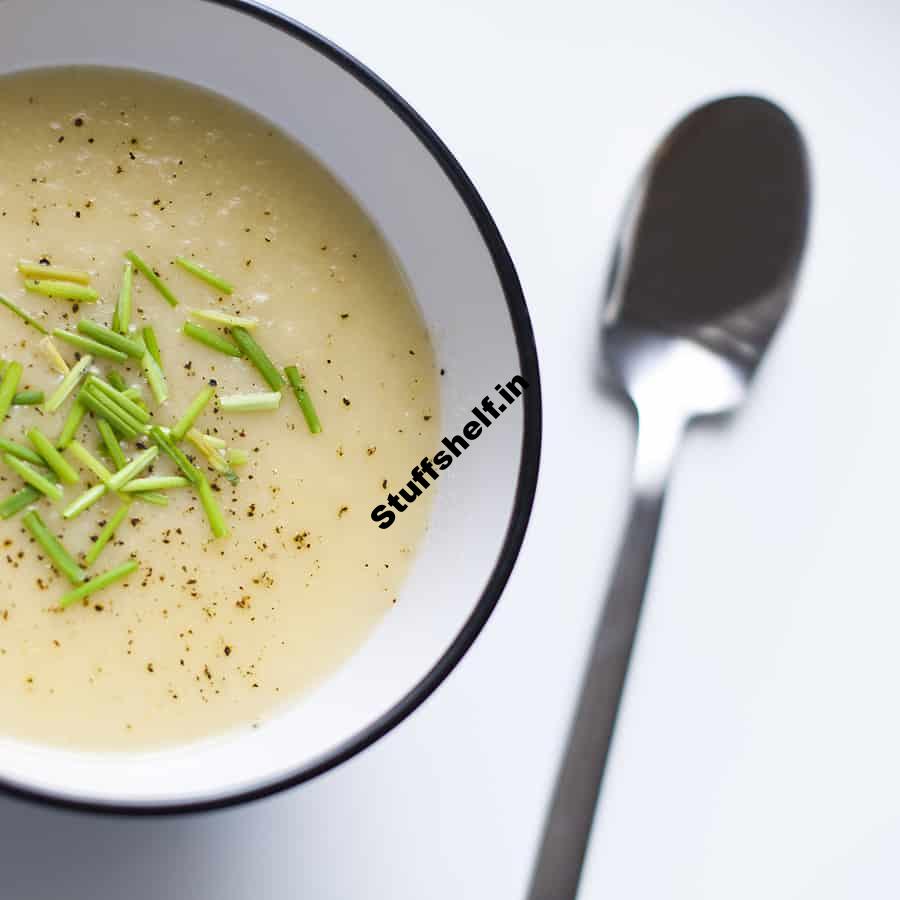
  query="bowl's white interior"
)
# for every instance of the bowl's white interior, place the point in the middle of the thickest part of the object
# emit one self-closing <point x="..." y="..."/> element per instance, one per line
<point x="404" y="189"/>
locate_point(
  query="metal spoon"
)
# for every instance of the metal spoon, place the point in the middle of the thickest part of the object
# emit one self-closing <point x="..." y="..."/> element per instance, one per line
<point x="703" y="271"/>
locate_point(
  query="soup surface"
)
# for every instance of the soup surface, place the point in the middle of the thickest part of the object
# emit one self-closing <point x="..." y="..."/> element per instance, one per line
<point x="207" y="634"/>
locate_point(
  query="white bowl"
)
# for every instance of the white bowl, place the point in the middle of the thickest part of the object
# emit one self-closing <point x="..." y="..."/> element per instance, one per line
<point x="470" y="296"/>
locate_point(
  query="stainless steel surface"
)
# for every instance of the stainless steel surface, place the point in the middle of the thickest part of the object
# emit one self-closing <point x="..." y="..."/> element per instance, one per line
<point x="702" y="274"/>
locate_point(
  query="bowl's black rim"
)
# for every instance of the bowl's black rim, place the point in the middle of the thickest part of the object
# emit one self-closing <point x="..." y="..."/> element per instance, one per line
<point x="528" y="472"/>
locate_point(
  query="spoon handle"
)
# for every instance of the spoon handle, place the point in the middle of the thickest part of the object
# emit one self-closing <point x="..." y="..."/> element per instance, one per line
<point x="568" y="824"/>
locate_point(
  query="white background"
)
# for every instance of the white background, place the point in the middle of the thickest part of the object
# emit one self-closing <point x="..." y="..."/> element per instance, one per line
<point x="759" y="745"/>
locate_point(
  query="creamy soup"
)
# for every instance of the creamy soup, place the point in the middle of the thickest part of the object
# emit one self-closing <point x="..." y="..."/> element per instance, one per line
<point x="207" y="634"/>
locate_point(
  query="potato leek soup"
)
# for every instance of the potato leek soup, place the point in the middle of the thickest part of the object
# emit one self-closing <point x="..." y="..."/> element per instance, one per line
<point x="212" y="367"/>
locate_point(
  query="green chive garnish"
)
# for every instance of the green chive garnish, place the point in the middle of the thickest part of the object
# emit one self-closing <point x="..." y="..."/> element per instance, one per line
<point x="8" y="387"/>
<point x="236" y="457"/>
<point x="258" y="357"/>
<point x="104" y="335"/>
<point x="250" y="402"/>
<point x="211" y="339"/>
<point x="129" y="471"/>
<point x="52" y="457"/>
<point x="89" y="461"/>
<point x="17" y="450"/>
<point x="54" y="357"/>
<point x="226" y="319"/>
<point x="33" y="477"/>
<point x="70" y="426"/>
<point x="108" y="532"/>
<point x="120" y="398"/>
<point x="86" y="500"/>
<point x="18" y="501"/>
<point x="111" y="442"/>
<point x="67" y="385"/>
<point x="149" y="336"/>
<point x="295" y="380"/>
<point x="211" y="508"/>
<point x="28" y="398"/>
<point x="23" y="315"/>
<point x="212" y="454"/>
<point x="117" y="381"/>
<point x="192" y="413"/>
<point x="154" y="497"/>
<point x="134" y="394"/>
<point x="155" y="378"/>
<point x="98" y="583"/>
<point x="63" y="290"/>
<point x="106" y="409"/>
<point x="215" y="442"/>
<point x="155" y="483"/>
<point x="55" y="273"/>
<point x="59" y="556"/>
<point x="152" y="277"/>
<point x="86" y="345"/>
<point x="192" y="473"/>
<point x="202" y="272"/>
<point x="123" y="307"/>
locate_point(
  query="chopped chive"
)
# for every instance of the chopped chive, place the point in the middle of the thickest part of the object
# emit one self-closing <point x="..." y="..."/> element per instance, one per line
<point x="213" y="456"/>
<point x="111" y="442"/>
<point x="59" y="556"/>
<point x="18" y="501"/>
<point x="237" y="457"/>
<point x="155" y="483"/>
<point x="119" y="398"/>
<point x="52" y="355"/>
<point x="211" y="508"/>
<point x="23" y="315"/>
<point x="202" y="272"/>
<point x="250" y="402"/>
<point x="90" y="462"/>
<point x="56" y="273"/>
<point x="106" y="409"/>
<point x="155" y="378"/>
<point x="86" y="345"/>
<point x="138" y="464"/>
<point x="123" y="306"/>
<point x="71" y="425"/>
<point x="67" y="385"/>
<point x="110" y="338"/>
<point x="295" y="380"/>
<point x="17" y="450"/>
<point x="8" y="387"/>
<point x="63" y="290"/>
<point x="52" y="457"/>
<point x="258" y="357"/>
<point x="28" y="398"/>
<point x="81" y="503"/>
<point x="98" y="583"/>
<point x="33" y="477"/>
<point x="192" y="473"/>
<point x="215" y="442"/>
<point x="149" y="336"/>
<point x="226" y="319"/>
<point x="134" y="394"/>
<point x="106" y="534"/>
<point x="192" y="413"/>
<point x="154" y="497"/>
<point x="211" y="339"/>
<point x="116" y="380"/>
<point x="152" y="277"/>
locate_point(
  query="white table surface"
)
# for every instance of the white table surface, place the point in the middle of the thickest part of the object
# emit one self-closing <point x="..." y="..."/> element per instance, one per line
<point x="759" y="745"/>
